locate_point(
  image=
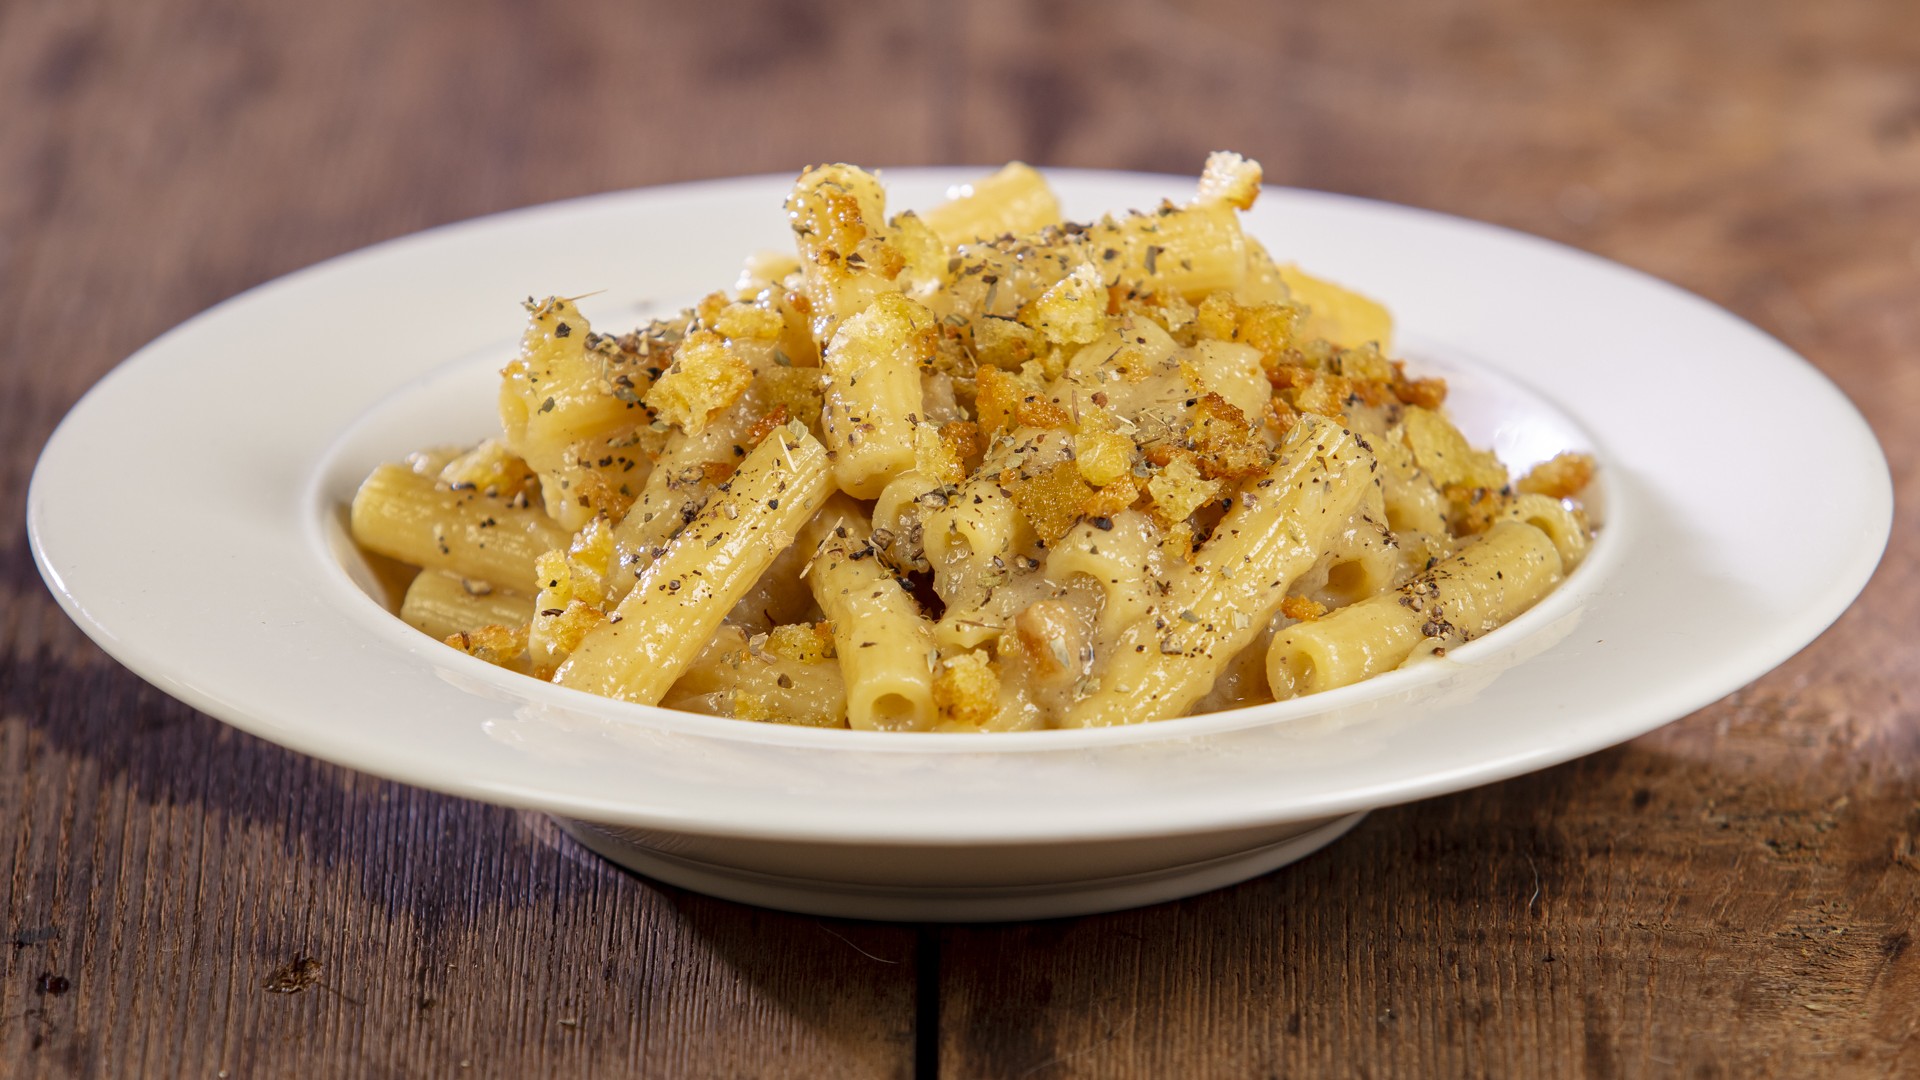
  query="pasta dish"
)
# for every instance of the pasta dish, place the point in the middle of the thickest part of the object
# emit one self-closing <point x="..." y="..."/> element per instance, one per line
<point x="975" y="468"/>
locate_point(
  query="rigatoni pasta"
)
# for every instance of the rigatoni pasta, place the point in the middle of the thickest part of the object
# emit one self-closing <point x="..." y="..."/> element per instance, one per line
<point x="976" y="469"/>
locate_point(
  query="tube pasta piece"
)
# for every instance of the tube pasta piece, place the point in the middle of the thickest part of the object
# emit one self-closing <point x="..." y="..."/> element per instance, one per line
<point x="1363" y="560"/>
<point x="1414" y="502"/>
<point x="1277" y="529"/>
<point x="1338" y="314"/>
<point x="780" y="596"/>
<point x="677" y="487"/>
<point x="681" y="599"/>
<point x="1445" y="455"/>
<point x="1122" y="560"/>
<point x="873" y="400"/>
<point x="886" y="647"/>
<point x="401" y="513"/>
<point x="555" y="395"/>
<point x="838" y="214"/>
<point x="1191" y="251"/>
<point x="978" y="527"/>
<point x="900" y="517"/>
<point x="439" y="603"/>
<point x="1014" y="200"/>
<point x="900" y="501"/>
<point x="765" y="269"/>
<point x="1551" y="516"/>
<point x="1488" y="583"/>
<point x="743" y="678"/>
<point x="1263" y="284"/>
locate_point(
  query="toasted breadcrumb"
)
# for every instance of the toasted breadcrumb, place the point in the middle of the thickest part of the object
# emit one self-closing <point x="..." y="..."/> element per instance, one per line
<point x="1035" y="411"/>
<point x="1363" y="364"/>
<point x="1051" y="501"/>
<point x="1112" y="498"/>
<point x="998" y="394"/>
<point x="565" y="609"/>
<point x="807" y="643"/>
<point x="1426" y="393"/>
<point x="590" y="561"/>
<point x="1323" y="394"/>
<point x="1231" y="179"/>
<point x="1282" y="416"/>
<point x="799" y="390"/>
<point x="1074" y="311"/>
<point x="495" y="644"/>
<point x="567" y="628"/>
<point x="766" y="425"/>
<point x="921" y="250"/>
<point x="749" y="322"/>
<point x="966" y="690"/>
<point x="1228" y="446"/>
<point x="1103" y="456"/>
<point x="1562" y="477"/>
<point x="1005" y="343"/>
<point x="705" y="380"/>
<point x="1270" y="327"/>
<point x="492" y="470"/>
<point x="1177" y="542"/>
<point x="963" y="441"/>
<point x="1180" y="489"/>
<point x="934" y="456"/>
<point x="1302" y="608"/>
<point x="1473" y="510"/>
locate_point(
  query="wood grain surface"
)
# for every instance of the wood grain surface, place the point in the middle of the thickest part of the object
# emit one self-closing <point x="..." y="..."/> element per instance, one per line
<point x="1735" y="895"/>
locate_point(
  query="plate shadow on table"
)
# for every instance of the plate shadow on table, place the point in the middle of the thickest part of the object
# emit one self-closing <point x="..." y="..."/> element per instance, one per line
<point x="1541" y="922"/>
<point x="766" y="947"/>
<point x="405" y="900"/>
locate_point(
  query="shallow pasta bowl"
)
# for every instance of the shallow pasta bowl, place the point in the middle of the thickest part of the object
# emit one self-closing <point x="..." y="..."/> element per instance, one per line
<point x="239" y="594"/>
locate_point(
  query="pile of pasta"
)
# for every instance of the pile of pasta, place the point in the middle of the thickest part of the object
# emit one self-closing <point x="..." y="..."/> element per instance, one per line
<point x="975" y="469"/>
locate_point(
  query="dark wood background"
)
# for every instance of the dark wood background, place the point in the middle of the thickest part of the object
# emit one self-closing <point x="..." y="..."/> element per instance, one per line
<point x="1735" y="895"/>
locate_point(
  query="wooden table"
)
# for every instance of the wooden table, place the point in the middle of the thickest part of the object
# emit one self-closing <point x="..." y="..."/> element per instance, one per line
<point x="1735" y="895"/>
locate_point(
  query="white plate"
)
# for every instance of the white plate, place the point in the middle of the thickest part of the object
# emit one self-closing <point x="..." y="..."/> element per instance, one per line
<point x="187" y="515"/>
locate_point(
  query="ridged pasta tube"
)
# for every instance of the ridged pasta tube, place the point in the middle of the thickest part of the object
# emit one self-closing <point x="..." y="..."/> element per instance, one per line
<point x="1216" y="606"/>
<point x="680" y="600"/>
<point x="439" y="603"/>
<point x="555" y="395"/>
<point x="873" y="392"/>
<point x="1486" y="584"/>
<point x="1014" y="200"/>
<point x="838" y="215"/>
<point x="1193" y="250"/>
<point x="886" y="647"/>
<point x="400" y="513"/>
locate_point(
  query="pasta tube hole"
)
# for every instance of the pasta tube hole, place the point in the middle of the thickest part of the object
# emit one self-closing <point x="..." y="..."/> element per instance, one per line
<point x="1546" y="525"/>
<point x="895" y="712"/>
<point x="1292" y="676"/>
<point x="1351" y="580"/>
